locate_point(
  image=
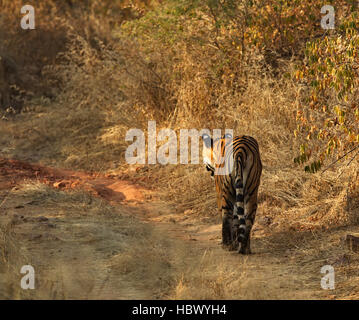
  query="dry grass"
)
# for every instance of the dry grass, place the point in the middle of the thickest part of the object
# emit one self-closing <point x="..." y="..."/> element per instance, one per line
<point x="211" y="279"/>
<point x="92" y="250"/>
<point x="99" y="82"/>
<point x="38" y="202"/>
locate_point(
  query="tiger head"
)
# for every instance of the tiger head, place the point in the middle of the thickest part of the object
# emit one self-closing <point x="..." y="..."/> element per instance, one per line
<point x="212" y="150"/>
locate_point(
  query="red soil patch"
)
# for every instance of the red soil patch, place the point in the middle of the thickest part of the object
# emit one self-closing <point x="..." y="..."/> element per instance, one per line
<point x="109" y="187"/>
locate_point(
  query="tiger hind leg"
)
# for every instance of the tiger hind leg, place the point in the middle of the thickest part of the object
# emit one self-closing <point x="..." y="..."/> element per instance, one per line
<point x="227" y="220"/>
<point x="226" y="231"/>
<point x="245" y="245"/>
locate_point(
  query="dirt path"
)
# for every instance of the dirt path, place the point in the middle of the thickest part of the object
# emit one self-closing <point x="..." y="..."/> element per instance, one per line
<point x="91" y="236"/>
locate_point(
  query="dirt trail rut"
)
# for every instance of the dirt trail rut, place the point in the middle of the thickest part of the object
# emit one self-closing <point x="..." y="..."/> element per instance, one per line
<point x="83" y="248"/>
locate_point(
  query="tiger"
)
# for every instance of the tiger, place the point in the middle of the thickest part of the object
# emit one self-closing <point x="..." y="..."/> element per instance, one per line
<point x="237" y="189"/>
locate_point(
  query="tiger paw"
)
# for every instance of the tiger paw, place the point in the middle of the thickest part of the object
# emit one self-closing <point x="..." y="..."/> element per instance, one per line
<point x="234" y="246"/>
<point x="244" y="249"/>
<point x="225" y="246"/>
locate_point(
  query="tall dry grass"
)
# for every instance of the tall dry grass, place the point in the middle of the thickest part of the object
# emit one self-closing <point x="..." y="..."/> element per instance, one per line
<point x="183" y="72"/>
<point x="91" y="77"/>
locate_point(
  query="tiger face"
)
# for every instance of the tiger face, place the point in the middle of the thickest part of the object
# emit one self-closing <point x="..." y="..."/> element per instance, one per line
<point x="212" y="151"/>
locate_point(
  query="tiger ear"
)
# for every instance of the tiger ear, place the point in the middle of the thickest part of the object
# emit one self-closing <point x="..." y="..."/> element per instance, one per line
<point x="207" y="140"/>
<point x="228" y="136"/>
